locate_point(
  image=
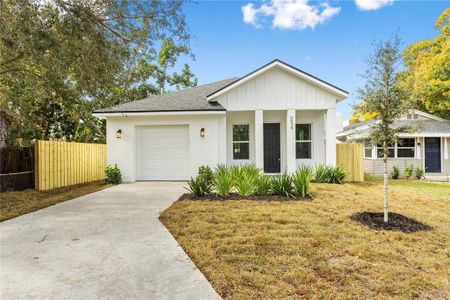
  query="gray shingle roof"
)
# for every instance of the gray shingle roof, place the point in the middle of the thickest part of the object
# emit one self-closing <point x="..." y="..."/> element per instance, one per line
<point x="418" y="126"/>
<point x="190" y="99"/>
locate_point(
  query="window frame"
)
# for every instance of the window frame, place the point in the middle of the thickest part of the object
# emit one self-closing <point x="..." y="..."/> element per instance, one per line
<point x="397" y="147"/>
<point x="240" y="142"/>
<point x="310" y="141"/>
<point x="367" y="146"/>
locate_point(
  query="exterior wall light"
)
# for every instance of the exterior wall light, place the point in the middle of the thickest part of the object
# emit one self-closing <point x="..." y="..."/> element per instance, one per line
<point x="119" y="134"/>
<point x="202" y="132"/>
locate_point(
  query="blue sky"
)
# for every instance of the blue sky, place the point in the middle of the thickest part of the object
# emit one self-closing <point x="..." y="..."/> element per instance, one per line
<point x="225" y="46"/>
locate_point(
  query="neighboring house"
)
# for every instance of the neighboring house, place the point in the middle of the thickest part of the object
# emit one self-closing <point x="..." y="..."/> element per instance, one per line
<point x="277" y="117"/>
<point x="426" y="147"/>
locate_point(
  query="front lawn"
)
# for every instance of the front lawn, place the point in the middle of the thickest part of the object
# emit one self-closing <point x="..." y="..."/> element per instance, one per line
<point x="296" y="249"/>
<point x="13" y="204"/>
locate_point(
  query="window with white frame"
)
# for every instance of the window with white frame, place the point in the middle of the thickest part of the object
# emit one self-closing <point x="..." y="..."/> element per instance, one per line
<point x="367" y="148"/>
<point x="391" y="150"/>
<point x="241" y="141"/>
<point x="406" y="147"/>
<point x="303" y="141"/>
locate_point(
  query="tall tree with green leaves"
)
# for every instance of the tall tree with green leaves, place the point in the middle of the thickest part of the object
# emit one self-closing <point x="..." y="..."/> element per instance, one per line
<point x="426" y="80"/>
<point x="382" y="95"/>
<point x="60" y="59"/>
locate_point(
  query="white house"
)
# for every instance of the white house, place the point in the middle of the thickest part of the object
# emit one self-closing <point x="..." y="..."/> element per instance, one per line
<point x="277" y="117"/>
<point x="426" y="145"/>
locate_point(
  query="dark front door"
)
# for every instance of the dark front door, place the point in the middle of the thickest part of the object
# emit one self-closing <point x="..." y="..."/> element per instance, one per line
<point x="272" y="148"/>
<point x="432" y="155"/>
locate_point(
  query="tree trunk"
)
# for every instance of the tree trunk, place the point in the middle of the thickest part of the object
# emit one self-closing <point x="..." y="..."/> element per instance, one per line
<point x="385" y="155"/>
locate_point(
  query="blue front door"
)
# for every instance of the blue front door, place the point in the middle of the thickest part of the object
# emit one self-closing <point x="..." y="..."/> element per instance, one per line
<point x="433" y="155"/>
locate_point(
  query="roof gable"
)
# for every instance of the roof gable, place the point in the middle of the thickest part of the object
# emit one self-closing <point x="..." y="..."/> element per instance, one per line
<point x="338" y="92"/>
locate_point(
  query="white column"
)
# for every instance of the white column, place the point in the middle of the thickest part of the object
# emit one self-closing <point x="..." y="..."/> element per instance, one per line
<point x="445" y="148"/>
<point x="291" y="164"/>
<point x="330" y="137"/>
<point x="259" y="138"/>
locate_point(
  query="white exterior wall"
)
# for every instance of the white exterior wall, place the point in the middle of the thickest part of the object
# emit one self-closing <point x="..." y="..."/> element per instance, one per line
<point x="208" y="150"/>
<point x="276" y="89"/>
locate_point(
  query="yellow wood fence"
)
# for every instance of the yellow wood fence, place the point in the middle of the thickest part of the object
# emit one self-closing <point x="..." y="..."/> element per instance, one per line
<point x="350" y="157"/>
<point x="59" y="164"/>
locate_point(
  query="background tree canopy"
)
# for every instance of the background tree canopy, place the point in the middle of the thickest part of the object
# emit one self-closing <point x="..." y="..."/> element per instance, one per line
<point x="425" y="82"/>
<point x="61" y="59"/>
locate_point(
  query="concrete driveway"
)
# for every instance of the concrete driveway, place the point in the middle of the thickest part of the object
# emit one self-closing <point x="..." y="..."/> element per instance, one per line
<point x="109" y="245"/>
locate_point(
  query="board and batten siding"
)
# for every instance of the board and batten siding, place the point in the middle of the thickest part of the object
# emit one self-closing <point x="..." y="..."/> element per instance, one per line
<point x="276" y="89"/>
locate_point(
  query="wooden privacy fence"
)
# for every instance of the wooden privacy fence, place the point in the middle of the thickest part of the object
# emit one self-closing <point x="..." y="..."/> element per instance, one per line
<point x="350" y="157"/>
<point x="59" y="164"/>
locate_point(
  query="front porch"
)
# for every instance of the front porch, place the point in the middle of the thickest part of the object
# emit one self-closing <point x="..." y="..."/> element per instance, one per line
<point x="279" y="141"/>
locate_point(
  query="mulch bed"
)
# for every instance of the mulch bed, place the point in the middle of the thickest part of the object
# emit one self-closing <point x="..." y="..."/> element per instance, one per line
<point x="234" y="196"/>
<point x="397" y="222"/>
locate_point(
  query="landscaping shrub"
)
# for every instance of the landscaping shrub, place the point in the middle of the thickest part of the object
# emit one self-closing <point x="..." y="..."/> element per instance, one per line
<point x="263" y="185"/>
<point x="199" y="186"/>
<point x="206" y="173"/>
<point x="113" y="175"/>
<point x="246" y="185"/>
<point x="418" y="173"/>
<point x="409" y="171"/>
<point x="302" y="181"/>
<point x="395" y="172"/>
<point x="282" y="185"/>
<point x="327" y="174"/>
<point x="223" y="180"/>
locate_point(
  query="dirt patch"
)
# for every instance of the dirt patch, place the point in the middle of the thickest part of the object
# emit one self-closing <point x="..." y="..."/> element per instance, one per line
<point x="397" y="222"/>
<point x="234" y="196"/>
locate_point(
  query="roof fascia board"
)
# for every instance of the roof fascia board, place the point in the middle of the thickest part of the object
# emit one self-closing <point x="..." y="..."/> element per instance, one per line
<point x="157" y="113"/>
<point x="341" y="94"/>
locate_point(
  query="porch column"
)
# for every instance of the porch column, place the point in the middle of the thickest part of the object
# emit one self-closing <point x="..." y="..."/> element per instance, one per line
<point x="418" y="146"/>
<point x="259" y="138"/>
<point x="445" y="148"/>
<point x="291" y="164"/>
<point x="330" y="137"/>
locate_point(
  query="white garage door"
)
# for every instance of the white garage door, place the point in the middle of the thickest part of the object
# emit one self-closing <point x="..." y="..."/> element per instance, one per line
<point x="162" y="152"/>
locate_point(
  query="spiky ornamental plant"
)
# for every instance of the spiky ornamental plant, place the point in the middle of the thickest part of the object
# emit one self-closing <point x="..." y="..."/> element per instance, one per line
<point x="382" y="95"/>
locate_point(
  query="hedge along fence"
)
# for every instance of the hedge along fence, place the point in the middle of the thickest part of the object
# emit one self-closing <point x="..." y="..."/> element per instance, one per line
<point x="59" y="164"/>
<point x="350" y="157"/>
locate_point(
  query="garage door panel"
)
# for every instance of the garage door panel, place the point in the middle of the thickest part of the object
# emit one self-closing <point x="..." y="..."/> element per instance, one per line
<point x="162" y="152"/>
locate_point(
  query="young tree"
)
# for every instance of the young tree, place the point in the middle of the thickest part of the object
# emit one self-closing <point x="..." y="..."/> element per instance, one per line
<point x="382" y="95"/>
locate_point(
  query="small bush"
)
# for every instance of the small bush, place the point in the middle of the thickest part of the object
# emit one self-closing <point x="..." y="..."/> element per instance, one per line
<point x="113" y="175"/>
<point x="206" y="173"/>
<point x="223" y="180"/>
<point x="263" y="185"/>
<point x="327" y="174"/>
<point x="199" y="186"/>
<point x="302" y="181"/>
<point x="395" y="172"/>
<point x="246" y="185"/>
<point x="282" y="186"/>
<point x="418" y="173"/>
<point x="409" y="171"/>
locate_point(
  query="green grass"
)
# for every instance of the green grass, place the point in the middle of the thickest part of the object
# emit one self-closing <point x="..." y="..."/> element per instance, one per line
<point x="421" y="186"/>
<point x="13" y="204"/>
<point x="312" y="250"/>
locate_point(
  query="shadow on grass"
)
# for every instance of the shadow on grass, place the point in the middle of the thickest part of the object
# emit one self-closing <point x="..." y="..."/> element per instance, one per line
<point x="397" y="222"/>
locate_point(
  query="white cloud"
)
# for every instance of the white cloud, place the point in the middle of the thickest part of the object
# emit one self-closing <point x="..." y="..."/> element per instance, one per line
<point x="289" y="14"/>
<point x="372" y="4"/>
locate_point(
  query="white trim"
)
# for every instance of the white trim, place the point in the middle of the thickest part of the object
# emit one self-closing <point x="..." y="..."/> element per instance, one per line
<point x="341" y="95"/>
<point x="156" y="113"/>
<point x="427" y="115"/>
<point x="445" y="148"/>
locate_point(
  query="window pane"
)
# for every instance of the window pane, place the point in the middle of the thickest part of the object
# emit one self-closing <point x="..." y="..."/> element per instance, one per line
<point x="368" y="152"/>
<point x="303" y="149"/>
<point x="240" y="133"/>
<point x="303" y="132"/>
<point x="406" y="143"/>
<point x="240" y="151"/>
<point x="405" y="152"/>
<point x="380" y="152"/>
